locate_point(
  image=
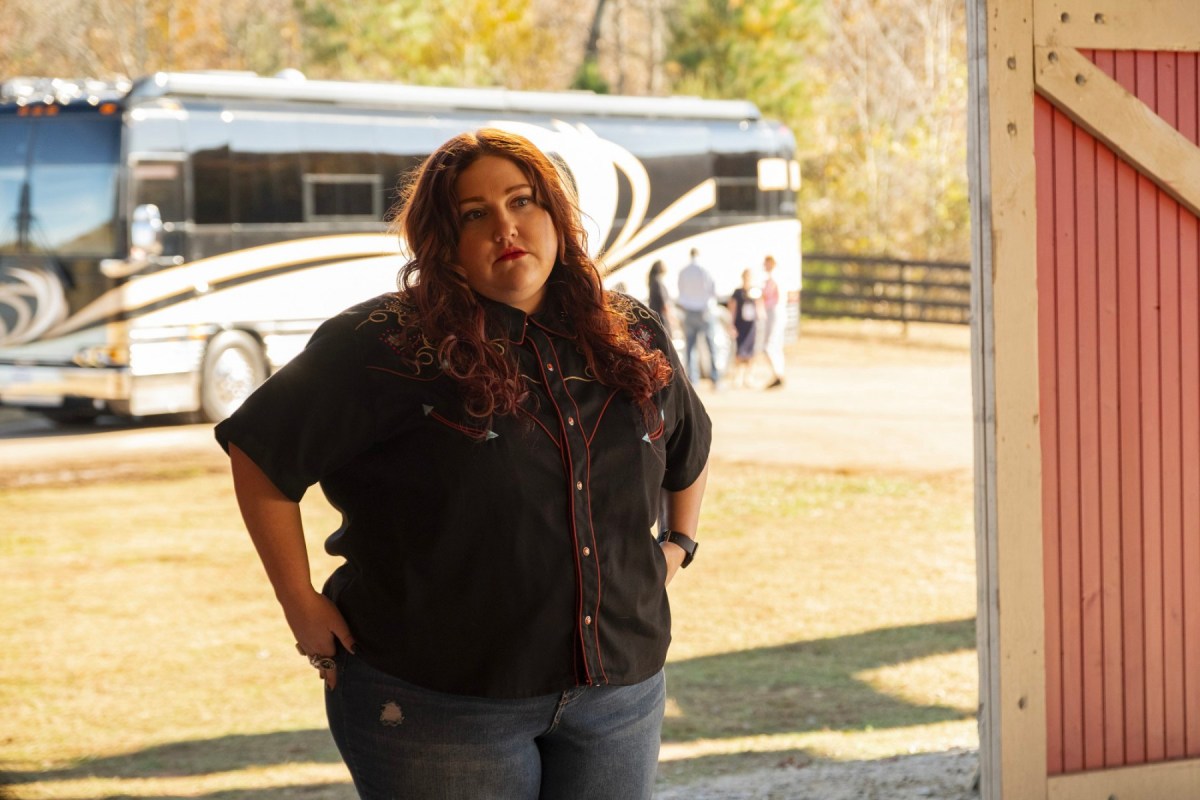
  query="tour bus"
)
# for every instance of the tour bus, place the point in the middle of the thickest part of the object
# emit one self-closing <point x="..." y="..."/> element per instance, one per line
<point x="168" y="243"/>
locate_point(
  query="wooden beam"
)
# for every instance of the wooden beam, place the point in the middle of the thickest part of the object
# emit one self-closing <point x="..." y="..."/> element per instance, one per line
<point x="1123" y="122"/>
<point x="1009" y="523"/>
<point x="1118" y="24"/>
<point x="1160" y="781"/>
<point x="983" y="392"/>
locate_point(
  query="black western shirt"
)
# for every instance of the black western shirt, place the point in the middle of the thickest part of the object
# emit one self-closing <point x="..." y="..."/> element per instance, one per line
<point x="509" y="559"/>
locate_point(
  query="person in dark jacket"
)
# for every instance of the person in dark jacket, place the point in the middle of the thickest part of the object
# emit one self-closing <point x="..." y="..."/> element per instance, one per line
<point x="659" y="298"/>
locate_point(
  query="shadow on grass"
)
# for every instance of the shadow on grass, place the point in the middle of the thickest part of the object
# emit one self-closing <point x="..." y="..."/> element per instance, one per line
<point x="198" y="757"/>
<point x="807" y="686"/>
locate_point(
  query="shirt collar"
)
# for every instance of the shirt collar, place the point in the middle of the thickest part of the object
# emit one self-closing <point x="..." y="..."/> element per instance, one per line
<point x="509" y="320"/>
<point x="552" y="318"/>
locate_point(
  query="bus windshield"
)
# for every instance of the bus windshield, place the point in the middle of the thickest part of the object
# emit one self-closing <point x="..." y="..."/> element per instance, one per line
<point x="58" y="184"/>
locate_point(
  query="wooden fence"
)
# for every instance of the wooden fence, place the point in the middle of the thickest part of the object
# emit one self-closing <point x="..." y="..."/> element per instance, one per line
<point x="865" y="287"/>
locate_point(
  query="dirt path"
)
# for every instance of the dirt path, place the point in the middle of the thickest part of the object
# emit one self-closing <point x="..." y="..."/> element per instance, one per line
<point x="870" y="402"/>
<point x="942" y="776"/>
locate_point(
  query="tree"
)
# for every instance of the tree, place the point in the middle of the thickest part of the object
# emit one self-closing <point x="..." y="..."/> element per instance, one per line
<point x="471" y="43"/>
<point x="588" y="76"/>
<point x="746" y="49"/>
<point x="887" y="173"/>
<point x="435" y="42"/>
<point x="128" y="38"/>
<point x="875" y="91"/>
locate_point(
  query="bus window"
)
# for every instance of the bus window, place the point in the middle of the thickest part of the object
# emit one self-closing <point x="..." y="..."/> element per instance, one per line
<point x="14" y="157"/>
<point x="338" y="145"/>
<point x="73" y="185"/>
<point x="737" y="183"/>
<point x="266" y="170"/>
<point x="210" y="169"/>
<point x="343" y="197"/>
<point x="208" y="141"/>
<point x="341" y="171"/>
<point x="159" y="181"/>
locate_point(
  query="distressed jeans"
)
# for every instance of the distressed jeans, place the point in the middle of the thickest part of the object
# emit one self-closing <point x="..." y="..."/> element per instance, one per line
<point x="402" y="741"/>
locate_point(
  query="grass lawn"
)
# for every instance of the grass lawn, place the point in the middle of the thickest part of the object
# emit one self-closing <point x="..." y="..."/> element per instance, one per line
<point x="830" y="615"/>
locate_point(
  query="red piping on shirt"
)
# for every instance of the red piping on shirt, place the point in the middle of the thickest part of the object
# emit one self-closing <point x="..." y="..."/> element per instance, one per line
<point x="474" y="433"/>
<point x="591" y="524"/>
<point x="564" y="450"/>
<point x="599" y="583"/>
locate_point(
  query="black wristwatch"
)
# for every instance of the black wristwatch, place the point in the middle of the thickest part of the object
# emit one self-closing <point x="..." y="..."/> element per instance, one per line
<point x="688" y="544"/>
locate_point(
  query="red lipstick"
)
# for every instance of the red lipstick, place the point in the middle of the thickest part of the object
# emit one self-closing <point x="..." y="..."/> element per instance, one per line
<point x="511" y="253"/>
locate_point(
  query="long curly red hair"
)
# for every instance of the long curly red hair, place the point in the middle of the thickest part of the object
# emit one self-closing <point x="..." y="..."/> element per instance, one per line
<point x="449" y="314"/>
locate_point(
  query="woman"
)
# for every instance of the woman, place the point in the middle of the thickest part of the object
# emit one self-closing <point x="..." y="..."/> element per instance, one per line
<point x="496" y="435"/>
<point x="774" y="323"/>
<point x="745" y="310"/>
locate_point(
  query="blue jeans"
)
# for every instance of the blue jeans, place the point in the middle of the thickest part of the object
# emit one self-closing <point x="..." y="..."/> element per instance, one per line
<point x="402" y="741"/>
<point x="695" y="325"/>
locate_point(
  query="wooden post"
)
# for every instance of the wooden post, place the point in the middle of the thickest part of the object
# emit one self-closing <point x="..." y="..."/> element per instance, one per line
<point x="1008" y="462"/>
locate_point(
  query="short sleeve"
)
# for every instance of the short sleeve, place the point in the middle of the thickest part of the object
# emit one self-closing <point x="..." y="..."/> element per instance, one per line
<point x="310" y="417"/>
<point x="688" y="429"/>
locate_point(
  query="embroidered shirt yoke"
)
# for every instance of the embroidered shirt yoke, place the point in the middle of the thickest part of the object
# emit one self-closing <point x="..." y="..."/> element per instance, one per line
<point x="510" y="560"/>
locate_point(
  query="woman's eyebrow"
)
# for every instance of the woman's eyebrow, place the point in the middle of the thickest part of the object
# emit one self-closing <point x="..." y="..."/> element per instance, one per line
<point x="507" y="191"/>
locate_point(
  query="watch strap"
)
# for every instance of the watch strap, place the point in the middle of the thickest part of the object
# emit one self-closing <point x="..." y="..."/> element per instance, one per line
<point x="688" y="544"/>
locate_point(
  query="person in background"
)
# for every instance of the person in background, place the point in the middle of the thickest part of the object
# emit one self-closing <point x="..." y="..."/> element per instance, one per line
<point x="496" y="435"/>
<point x="745" y="309"/>
<point x="774" y="322"/>
<point x="659" y="298"/>
<point x="697" y="298"/>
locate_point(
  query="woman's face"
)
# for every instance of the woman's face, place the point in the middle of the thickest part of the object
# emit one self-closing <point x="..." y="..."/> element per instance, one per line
<point x="507" y="243"/>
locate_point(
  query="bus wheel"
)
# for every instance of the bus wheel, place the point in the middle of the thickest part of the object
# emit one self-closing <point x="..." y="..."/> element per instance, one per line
<point x="234" y="366"/>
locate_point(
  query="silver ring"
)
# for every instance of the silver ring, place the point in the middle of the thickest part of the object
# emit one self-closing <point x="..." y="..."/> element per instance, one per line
<point x="322" y="662"/>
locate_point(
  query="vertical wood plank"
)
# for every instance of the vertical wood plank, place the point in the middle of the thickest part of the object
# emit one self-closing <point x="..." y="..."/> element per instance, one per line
<point x="1088" y="541"/>
<point x="1020" y="573"/>
<point x="1172" y="500"/>
<point x="1066" y="314"/>
<point x="1108" y="231"/>
<point x="1048" y="384"/>
<point x="983" y="391"/>
<point x="1129" y="369"/>
<point x="1151" y="442"/>
<point x="1189" y="323"/>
